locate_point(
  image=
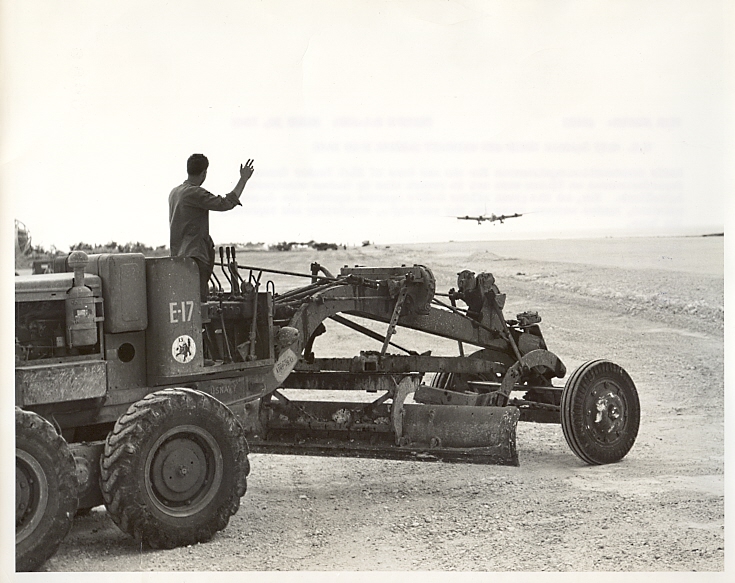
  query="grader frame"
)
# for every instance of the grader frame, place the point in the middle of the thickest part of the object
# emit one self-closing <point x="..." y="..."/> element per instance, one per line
<point x="467" y="412"/>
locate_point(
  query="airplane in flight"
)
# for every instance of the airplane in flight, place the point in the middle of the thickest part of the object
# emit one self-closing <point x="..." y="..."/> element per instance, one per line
<point x="492" y="218"/>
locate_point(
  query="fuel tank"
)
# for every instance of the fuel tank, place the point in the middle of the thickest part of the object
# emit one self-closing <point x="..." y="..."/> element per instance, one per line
<point x="174" y="334"/>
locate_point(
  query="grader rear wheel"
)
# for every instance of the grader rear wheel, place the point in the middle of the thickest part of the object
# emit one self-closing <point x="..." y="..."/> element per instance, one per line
<point x="45" y="490"/>
<point x="600" y="412"/>
<point x="174" y="468"/>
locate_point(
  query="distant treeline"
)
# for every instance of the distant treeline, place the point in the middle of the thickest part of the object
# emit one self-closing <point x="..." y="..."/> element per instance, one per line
<point x="38" y="252"/>
<point x="113" y="247"/>
<point x="284" y="246"/>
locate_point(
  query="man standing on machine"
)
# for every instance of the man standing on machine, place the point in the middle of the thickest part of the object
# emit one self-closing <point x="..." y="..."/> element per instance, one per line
<point x="188" y="215"/>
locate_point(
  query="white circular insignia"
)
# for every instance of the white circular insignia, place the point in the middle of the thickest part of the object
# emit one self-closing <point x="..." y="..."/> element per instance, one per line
<point x="184" y="349"/>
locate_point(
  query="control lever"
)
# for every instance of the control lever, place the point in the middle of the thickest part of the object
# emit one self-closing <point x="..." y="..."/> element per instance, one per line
<point x="222" y="263"/>
<point x="233" y="272"/>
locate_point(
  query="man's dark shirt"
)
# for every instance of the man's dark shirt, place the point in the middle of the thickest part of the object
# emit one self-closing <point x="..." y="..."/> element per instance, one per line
<point x="188" y="218"/>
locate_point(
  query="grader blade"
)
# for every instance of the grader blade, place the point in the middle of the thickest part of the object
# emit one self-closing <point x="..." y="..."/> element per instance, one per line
<point x="488" y="433"/>
<point x="380" y="429"/>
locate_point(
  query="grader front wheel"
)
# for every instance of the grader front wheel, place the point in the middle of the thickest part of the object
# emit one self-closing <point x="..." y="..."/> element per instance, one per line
<point x="174" y="468"/>
<point x="600" y="412"/>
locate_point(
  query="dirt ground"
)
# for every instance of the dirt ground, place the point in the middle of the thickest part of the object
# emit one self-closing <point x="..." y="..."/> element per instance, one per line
<point x="653" y="306"/>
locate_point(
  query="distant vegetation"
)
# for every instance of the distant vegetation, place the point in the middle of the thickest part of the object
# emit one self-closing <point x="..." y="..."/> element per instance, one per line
<point x="113" y="247"/>
<point x="26" y="257"/>
<point x="284" y="246"/>
<point x="40" y="253"/>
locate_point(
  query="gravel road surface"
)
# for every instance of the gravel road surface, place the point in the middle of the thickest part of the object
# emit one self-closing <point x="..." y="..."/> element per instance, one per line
<point x="660" y="509"/>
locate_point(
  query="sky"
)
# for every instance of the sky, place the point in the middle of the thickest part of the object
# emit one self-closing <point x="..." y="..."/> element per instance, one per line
<point x="374" y="120"/>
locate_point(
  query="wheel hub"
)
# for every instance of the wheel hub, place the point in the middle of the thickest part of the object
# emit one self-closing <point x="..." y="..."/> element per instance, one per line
<point x="605" y="411"/>
<point x="180" y="469"/>
<point x="31" y="494"/>
<point x="23" y="486"/>
<point x="184" y="470"/>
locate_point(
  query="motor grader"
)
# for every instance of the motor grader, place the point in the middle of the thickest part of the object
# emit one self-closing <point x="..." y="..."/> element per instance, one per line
<point x="133" y="392"/>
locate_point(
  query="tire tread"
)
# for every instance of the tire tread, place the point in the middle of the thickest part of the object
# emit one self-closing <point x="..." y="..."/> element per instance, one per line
<point x="119" y="461"/>
<point x="31" y="426"/>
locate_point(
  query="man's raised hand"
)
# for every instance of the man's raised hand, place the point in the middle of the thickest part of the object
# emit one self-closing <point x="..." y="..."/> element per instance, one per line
<point x="247" y="170"/>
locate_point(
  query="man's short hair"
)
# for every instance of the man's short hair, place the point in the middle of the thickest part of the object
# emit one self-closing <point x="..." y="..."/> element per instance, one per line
<point x="196" y="164"/>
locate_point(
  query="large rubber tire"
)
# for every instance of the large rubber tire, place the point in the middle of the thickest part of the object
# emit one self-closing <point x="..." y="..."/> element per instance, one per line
<point x="45" y="490"/>
<point x="174" y="468"/>
<point x="600" y="412"/>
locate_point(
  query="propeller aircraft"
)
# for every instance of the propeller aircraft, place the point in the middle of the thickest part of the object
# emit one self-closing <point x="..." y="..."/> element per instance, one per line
<point x="492" y="218"/>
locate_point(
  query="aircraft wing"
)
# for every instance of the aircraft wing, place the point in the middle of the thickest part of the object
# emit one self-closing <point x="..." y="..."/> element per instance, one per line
<point x="501" y="218"/>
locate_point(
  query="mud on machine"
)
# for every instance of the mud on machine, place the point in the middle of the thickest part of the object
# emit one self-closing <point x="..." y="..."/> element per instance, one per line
<point x="133" y="393"/>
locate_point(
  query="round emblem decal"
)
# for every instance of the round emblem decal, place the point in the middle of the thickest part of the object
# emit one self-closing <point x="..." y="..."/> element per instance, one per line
<point x="184" y="349"/>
